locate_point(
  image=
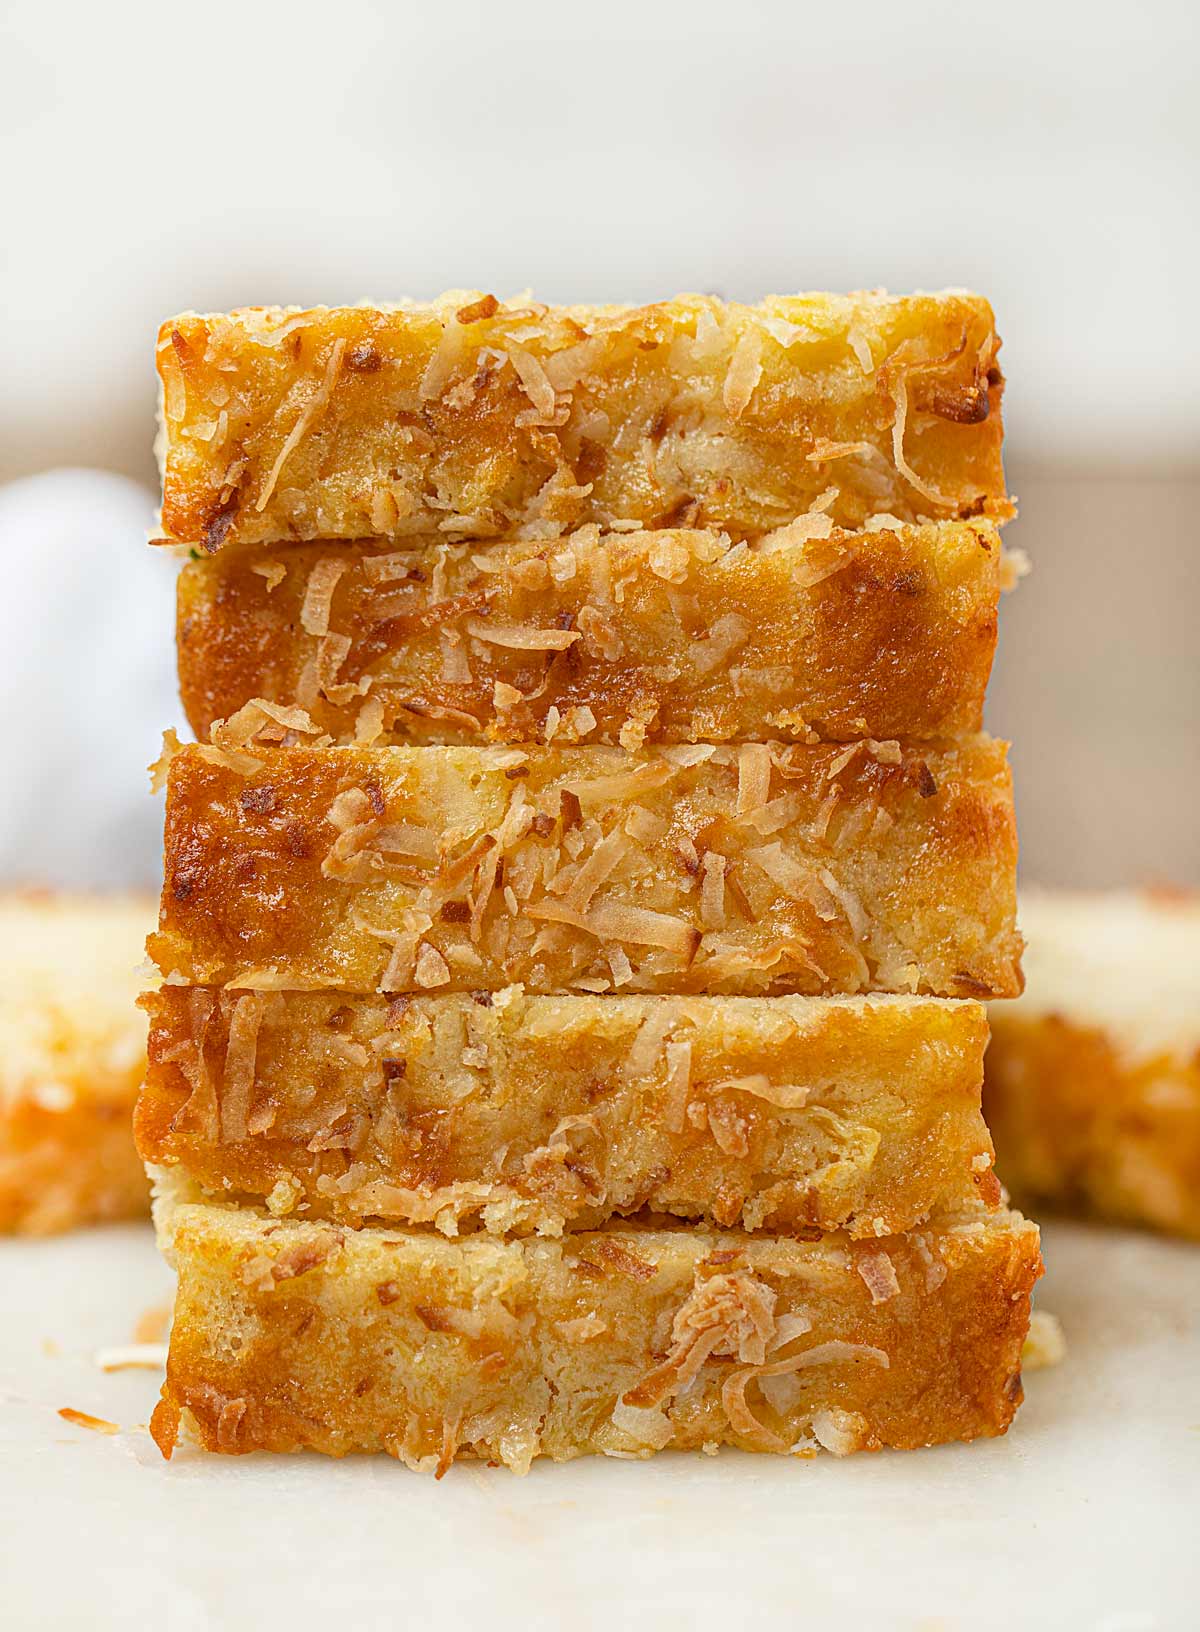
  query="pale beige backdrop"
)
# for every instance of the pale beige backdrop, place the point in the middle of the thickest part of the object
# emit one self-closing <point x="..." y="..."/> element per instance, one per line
<point x="1097" y="680"/>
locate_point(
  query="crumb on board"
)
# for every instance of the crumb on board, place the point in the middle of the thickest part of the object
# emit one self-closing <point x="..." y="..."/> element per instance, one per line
<point x="83" y="1419"/>
<point x="1046" y="1344"/>
<point x="132" y="1357"/>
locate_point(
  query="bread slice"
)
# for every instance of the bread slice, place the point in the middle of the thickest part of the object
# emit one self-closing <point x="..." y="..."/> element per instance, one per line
<point x="474" y="418"/>
<point x="698" y="869"/>
<point x="72" y="1053"/>
<point x="549" y="1113"/>
<point x="1093" y="1078"/>
<point x="305" y="1336"/>
<point x="619" y="637"/>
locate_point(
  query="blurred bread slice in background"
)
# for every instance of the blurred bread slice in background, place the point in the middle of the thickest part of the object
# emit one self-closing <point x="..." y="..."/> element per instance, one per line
<point x="1093" y="1076"/>
<point x="72" y="1056"/>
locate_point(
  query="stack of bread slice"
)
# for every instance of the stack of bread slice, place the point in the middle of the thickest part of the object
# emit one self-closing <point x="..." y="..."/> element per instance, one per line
<point x="579" y="902"/>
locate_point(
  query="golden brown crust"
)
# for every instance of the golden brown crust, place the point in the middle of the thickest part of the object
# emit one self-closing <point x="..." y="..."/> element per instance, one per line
<point x="293" y="1336"/>
<point x="547" y="1113"/>
<point x="1083" y="1126"/>
<point x="72" y="1054"/>
<point x="649" y="636"/>
<point x="741" y="870"/>
<point x="476" y="419"/>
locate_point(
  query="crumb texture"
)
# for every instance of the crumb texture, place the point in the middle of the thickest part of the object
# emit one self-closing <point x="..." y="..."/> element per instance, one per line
<point x="552" y="1113"/>
<point x="752" y="869"/>
<point x="810" y="634"/>
<point x="627" y="1341"/>
<point x="475" y="418"/>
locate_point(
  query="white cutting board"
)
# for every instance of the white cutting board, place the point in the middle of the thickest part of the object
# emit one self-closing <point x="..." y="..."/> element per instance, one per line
<point x="1083" y="1517"/>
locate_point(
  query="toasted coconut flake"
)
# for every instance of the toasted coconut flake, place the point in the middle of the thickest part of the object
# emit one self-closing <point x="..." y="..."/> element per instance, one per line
<point x="836" y="1352"/>
<point x="318" y="594"/>
<point x="273" y="571"/>
<point x="775" y="814"/>
<point x="788" y="1096"/>
<point x="349" y="808"/>
<point x="838" y="1432"/>
<point x="669" y="559"/>
<point x="315" y="408"/>
<point x="332" y="652"/>
<point x="580" y="722"/>
<point x="645" y="826"/>
<point x="621" y="787"/>
<point x="708" y="340"/>
<point x="823" y="450"/>
<point x="534" y="380"/>
<point x="431" y="967"/>
<point x="84" y="1419"/>
<point x="237" y="1080"/>
<point x="787" y="1329"/>
<point x="451" y="349"/>
<point x="678" y="1085"/>
<point x="839" y="762"/>
<point x="712" y="891"/>
<point x="614" y="1256"/>
<point x="505" y="697"/>
<point x="783" y="870"/>
<point x="599" y="636"/>
<point x="813" y="525"/>
<point x="900" y="398"/>
<point x="744" y="372"/>
<point x="727" y="634"/>
<point x="879" y="1276"/>
<point x="856" y="914"/>
<point x="171" y="746"/>
<point x="617" y="921"/>
<point x="727" y="1127"/>
<point x="174" y="379"/>
<point x="368" y="726"/>
<point x="583" y="1328"/>
<point x="563" y="566"/>
<point x="647" y="1049"/>
<point x="242" y="727"/>
<point x="740" y="1416"/>
<point x="599" y="866"/>
<point x="647" y="1426"/>
<point x="479" y="310"/>
<point x="407" y="839"/>
<point x="685" y="755"/>
<point x="754" y="777"/>
<point x="727" y="1316"/>
<point x="383" y="569"/>
<point x="521" y="639"/>
<point x="861" y="347"/>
